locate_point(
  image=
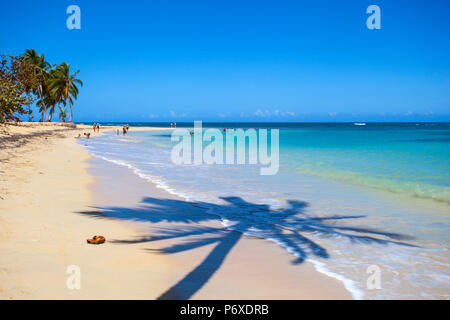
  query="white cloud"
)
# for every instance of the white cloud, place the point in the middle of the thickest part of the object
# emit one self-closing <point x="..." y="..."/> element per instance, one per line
<point x="275" y="113"/>
<point x="260" y="113"/>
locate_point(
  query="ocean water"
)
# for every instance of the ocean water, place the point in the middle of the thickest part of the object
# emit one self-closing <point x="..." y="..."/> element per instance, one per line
<point x="346" y="197"/>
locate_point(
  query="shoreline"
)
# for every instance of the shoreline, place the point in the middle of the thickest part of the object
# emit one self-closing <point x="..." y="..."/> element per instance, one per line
<point x="238" y="276"/>
<point x="42" y="234"/>
<point x="351" y="253"/>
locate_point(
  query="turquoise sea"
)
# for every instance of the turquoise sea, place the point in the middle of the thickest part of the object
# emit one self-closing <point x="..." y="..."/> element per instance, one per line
<point x="347" y="196"/>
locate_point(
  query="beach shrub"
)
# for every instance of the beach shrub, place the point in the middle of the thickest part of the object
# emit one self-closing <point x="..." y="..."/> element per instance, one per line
<point x="16" y="82"/>
<point x="62" y="114"/>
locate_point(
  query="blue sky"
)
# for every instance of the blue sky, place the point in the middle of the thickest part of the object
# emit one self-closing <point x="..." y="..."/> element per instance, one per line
<point x="244" y="60"/>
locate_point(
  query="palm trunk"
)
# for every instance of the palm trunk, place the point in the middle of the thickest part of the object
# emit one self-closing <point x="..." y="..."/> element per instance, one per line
<point x="70" y="106"/>
<point x="52" y="110"/>
<point x="29" y="112"/>
<point x="50" y="114"/>
<point x="43" y="105"/>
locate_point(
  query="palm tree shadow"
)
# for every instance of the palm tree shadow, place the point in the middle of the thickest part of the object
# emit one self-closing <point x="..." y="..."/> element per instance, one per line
<point x="291" y="227"/>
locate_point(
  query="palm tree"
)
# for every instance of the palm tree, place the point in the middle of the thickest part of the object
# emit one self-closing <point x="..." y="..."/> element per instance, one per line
<point x="51" y="97"/>
<point x="62" y="114"/>
<point x="41" y="66"/>
<point x="63" y="85"/>
<point x="50" y="100"/>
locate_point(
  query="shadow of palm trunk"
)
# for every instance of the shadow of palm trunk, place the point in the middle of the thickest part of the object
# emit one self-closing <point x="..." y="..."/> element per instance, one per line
<point x="198" y="277"/>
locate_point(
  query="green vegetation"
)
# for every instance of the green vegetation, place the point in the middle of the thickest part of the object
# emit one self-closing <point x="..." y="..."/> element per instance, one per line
<point x="30" y="78"/>
<point x="62" y="114"/>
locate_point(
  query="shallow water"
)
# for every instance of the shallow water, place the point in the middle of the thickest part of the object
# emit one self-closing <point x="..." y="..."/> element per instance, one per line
<point x="346" y="197"/>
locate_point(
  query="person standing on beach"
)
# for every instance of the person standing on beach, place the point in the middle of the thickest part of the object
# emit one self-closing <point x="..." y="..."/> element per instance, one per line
<point x="94" y="126"/>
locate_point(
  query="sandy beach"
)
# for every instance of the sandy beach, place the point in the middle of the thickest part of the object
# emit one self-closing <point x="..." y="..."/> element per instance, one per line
<point x="250" y="154"/>
<point x="54" y="196"/>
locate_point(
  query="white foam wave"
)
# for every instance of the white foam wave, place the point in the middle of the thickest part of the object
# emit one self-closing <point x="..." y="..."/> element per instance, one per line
<point x="321" y="267"/>
<point x="158" y="182"/>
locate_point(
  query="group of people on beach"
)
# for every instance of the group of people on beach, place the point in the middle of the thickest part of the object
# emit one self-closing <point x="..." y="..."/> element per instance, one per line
<point x="96" y="127"/>
<point x="173" y="125"/>
<point x="86" y="134"/>
<point x="125" y="129"/>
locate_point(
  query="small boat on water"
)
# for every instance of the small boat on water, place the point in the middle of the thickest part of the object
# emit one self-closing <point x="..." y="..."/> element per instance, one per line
<point x="359" y="124"/>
